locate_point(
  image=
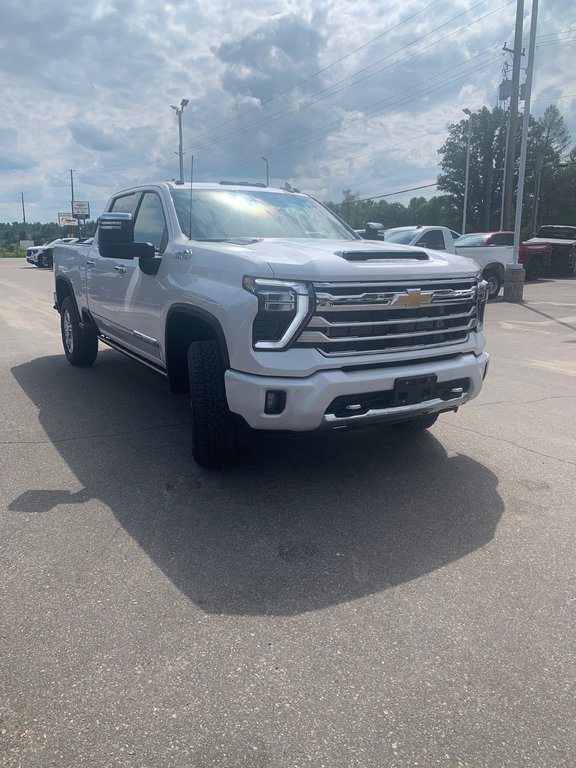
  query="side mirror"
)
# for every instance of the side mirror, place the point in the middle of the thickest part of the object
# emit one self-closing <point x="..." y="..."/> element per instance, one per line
<point x="116" y="238"/>
<point x="374" y="231"/>
<point x="116" y="227"/>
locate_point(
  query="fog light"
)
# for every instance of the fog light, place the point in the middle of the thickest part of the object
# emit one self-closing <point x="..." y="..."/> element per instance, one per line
<point x="275" y="401"/>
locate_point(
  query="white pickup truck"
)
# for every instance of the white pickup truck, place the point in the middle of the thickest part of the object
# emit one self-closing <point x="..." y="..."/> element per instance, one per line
<point x="272" y="312"/>
<point x="492" y="251"/>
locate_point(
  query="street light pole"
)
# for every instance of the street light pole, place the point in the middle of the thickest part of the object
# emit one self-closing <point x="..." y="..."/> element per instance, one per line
<point x="267" y="172"/>
<point x="467" y="112"/>
<point x="179" y="110"/>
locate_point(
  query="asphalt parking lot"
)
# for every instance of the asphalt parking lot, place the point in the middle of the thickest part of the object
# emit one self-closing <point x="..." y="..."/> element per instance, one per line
<point x="361" y="600"/>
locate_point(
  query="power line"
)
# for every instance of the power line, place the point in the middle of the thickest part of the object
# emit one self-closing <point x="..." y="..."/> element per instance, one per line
<point x="389" y="194"/>
<point x="329" y="91"/>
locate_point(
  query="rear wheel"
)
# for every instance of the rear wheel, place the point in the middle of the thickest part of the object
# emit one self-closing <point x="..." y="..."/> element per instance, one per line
<point x="494" y="284"/>
<point x="534" y="268"/>
<point x="80" y="344"/>
<point x="418" y="424"/>
<point x="214" y="430"/>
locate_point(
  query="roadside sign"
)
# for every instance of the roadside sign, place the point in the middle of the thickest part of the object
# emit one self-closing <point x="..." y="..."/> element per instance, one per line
<point x="81" y="209"/>
<point x="67" y="220"/>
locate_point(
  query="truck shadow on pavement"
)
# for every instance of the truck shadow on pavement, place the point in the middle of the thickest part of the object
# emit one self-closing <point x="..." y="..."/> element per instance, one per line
<point x="300" y="524"/>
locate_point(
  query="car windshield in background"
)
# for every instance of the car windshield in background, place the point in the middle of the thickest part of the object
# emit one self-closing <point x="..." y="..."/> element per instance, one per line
<point x="226" y="214"/>
<point x="405" y="236"/>
<point x="471" y="241"/>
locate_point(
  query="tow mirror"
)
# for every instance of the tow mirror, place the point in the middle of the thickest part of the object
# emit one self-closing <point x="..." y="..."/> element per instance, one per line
<point x="374" y="231"/>
<point x="116" y="238"/>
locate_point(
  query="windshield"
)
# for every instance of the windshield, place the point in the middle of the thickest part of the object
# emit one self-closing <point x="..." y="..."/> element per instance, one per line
<point x="403" y="236"/>
<point x="471" y="241"/>
<point x="226" y="214"/>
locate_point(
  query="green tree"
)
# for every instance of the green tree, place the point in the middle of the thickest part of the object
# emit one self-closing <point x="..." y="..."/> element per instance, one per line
<point x="487" y="145"/>
<point x="548" y="188"/>
<point x="550" y="175"/>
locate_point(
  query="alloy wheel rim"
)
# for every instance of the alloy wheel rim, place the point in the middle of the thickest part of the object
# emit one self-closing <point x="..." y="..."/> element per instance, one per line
<point x="68" y="337"/>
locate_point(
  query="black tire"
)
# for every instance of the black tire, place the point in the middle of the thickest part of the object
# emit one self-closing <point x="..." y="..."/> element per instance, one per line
<point x="40" y="261"/>
<point x="214" y="430"/>
<point x="533" y="268"/>
<point x="418" y="424"/>
<point x="80" y="344"/>
<point x="494" y="284"/>
<point x="49" y="261"/>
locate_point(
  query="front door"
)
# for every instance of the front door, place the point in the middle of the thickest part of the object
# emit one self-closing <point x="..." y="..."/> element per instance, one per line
<point x="124" y="301"/>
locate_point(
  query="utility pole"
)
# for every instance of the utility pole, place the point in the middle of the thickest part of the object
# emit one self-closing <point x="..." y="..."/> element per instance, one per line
<point x="467" y="175"/>
<point x="511" y="144"/>
<point x="24" y="216"/>
<point x="179" y="110"/>
<point x="72" y="191"/>
<point x="267" y="172"/>
<point x="72" y="197"/>
<point x="514" y="275"/>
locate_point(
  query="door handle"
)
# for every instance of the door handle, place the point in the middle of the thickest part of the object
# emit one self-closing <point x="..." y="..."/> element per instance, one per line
<point x="90" y="263"/>
<point x="122" y="270"/>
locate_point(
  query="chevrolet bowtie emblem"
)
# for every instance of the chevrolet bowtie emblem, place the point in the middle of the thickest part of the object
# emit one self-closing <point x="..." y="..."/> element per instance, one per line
<point x="412" y="298"/>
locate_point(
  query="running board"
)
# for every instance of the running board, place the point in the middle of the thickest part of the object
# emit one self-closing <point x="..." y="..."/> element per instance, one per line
<point x="133" y="355"/>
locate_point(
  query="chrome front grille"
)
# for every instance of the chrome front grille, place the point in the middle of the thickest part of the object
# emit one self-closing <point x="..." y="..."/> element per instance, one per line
<point x="355" y="319"/>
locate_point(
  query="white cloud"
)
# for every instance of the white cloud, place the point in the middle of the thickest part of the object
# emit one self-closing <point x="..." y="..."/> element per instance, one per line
<point x="335" y="94"/>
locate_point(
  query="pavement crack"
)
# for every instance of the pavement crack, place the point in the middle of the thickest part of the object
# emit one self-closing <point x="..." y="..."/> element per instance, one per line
<point x="522" y="402"/>
<point x="510" y="442"/>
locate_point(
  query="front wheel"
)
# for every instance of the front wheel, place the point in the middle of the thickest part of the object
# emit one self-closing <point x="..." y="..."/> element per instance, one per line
<point x="494" y="284"/>
<point x="80" y="344"/>
<point x="214" y="430"/>
<point x="418" y="424"/>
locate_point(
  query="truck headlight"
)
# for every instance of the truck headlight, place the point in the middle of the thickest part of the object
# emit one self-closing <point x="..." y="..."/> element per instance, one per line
<point x="283" y="309"/>
<point x="481" y="299"/>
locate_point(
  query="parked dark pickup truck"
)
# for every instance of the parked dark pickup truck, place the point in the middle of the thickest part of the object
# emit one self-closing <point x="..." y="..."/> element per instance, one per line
<point x="562" y="239"/>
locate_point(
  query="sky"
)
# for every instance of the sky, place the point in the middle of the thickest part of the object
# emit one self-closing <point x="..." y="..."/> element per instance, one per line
<point x="335" y="94"/>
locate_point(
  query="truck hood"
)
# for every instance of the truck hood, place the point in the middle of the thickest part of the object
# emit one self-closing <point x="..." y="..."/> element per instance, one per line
<point x="356" y="260"/>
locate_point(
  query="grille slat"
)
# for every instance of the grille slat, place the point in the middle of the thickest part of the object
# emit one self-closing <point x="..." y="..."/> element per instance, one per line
<point x="369" y="318"/>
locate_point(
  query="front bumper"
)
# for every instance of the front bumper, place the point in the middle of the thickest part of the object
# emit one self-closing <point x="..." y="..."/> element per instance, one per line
<point x="309" y="401"/>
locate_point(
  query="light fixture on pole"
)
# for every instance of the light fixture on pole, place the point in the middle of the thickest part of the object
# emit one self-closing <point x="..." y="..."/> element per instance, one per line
<point x="267" y="172"/>
<point x="465" y="206"/>
<point x="179" y="110"/>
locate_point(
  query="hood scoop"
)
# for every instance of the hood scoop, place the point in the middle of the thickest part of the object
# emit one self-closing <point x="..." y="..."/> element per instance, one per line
<point x="384" y="255"/>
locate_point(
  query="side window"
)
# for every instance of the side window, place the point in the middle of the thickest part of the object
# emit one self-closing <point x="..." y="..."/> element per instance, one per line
<point x="150" y="223"/>
<point x="434" y="240"/>
<point x="126" y="203"/>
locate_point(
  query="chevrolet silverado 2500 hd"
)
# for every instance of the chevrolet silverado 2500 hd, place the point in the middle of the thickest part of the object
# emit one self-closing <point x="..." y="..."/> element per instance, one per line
<point x="272" y="312"/>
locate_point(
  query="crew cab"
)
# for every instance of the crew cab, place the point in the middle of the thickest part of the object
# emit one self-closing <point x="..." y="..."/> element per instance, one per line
<point x="562" y="242"/>
<point x="272" y="313"/>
